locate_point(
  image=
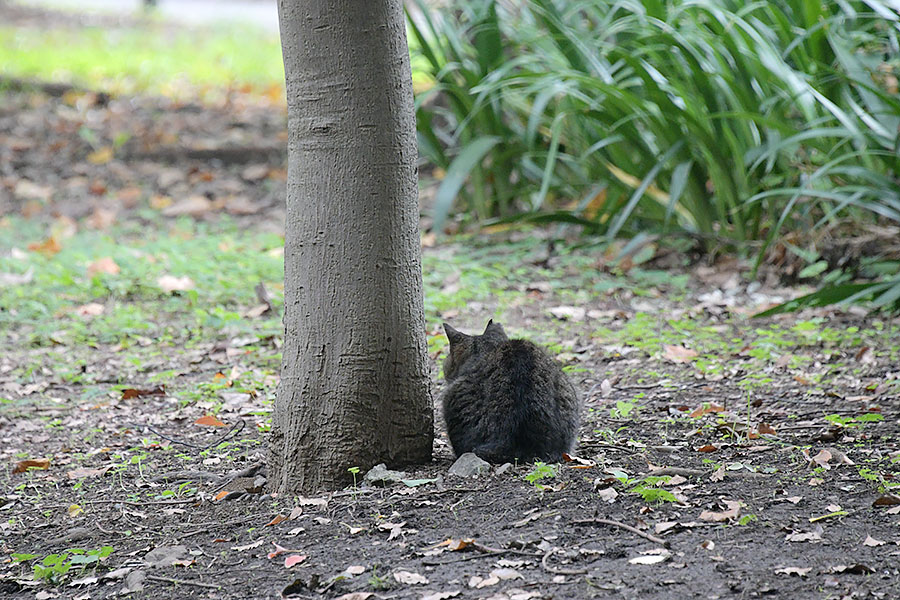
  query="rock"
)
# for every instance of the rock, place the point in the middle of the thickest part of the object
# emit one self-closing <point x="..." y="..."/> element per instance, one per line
<point x="134" y="582"/>
<point x="380" y="475"/>
<point x="503" y="468"/>
<point x="469" y="465"/>
<point x="166" y="556"/>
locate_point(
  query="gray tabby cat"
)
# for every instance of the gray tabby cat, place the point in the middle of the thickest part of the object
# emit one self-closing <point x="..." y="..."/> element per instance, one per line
<point x="506" y="399"/>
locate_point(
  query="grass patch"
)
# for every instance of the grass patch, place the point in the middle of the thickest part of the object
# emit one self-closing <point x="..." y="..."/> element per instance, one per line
<point x="155" y="59"/>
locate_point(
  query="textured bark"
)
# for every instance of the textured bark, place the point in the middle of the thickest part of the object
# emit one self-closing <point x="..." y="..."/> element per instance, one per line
<point x="355" y="389"/>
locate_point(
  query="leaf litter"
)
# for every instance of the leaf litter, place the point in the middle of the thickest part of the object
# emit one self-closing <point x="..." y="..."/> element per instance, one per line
<point x="85" y="437"/>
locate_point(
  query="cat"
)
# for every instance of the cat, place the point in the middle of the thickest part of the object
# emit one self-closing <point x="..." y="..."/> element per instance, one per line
<point x="507" y="400"/>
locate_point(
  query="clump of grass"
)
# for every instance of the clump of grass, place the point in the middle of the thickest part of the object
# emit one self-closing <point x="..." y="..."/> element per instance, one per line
<point x="154" y="59"/>
<point x="723" y="121"/>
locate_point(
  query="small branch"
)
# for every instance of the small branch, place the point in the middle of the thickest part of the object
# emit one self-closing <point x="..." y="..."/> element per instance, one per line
<point x="557" y="570"/>
<point x="621" y="525"/>
<point x="184" y="582"/>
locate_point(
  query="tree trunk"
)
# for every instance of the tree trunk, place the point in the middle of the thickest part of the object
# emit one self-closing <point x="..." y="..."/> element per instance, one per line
<point x="355" y="388"/>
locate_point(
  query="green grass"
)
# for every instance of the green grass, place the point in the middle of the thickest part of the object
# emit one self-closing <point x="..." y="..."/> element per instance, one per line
<point x="153" y="59"/>
<point x="724" y="121"/>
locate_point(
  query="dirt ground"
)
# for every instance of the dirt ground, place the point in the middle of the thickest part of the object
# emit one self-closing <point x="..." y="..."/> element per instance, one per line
<point x="765" y="478"/>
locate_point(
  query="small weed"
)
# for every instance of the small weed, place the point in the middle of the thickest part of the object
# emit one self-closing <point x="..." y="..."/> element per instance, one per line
<point x="378" y="582"/>
<point x="541" y="471"/>
<point x="54" y="567"/>
<point x="854" y="422"/>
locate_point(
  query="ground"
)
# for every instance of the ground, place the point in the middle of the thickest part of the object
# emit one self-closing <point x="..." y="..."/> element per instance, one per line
<point x="720" y="456"/>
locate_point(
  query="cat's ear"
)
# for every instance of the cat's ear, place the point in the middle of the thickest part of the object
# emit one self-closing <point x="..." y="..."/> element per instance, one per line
<point x="453" y="335"/>
<point x="495" y="331"/>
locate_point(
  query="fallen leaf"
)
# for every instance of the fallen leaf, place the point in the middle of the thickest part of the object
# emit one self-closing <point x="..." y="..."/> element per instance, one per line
<point x="255" y="172"/>
<point x="103" y="265"/>
<point x="84" y="472"/>
<point x="37" y="464"/>
<point x="569" y="313"/>
<point x="734" y="509"/>
<point x="460" y="544"/>
<point x="355" y="596"/>
<point x="608" y="494"/>
<point x="194" y="206"/>
<point x="765" y="429"/>
<point x="48" y="247"/>
<point x="167" y="556"/>
<point x="718" y="474"/>
<point x="11" y="279"/>
<point x="806" y="536"/>
<point x="294" y="559"/>
<point x="857" y="569"/>
<point x="355" y="570"/>
<point x="705" y="409"/>
<point x="130" y="393"/>
<point x="320" y="502"/>
<point x="74" y="510"/>
<point x="707" y="448"/>
<point x="89" y="580"/>
<point x="679" y="354"/>
<point x="654" y="559"/>
<point x="170" y="283"/>
<point x="91" y="309"/>
<point x="100" y="156"/>
<point x="249" y="546"/>
<point x="209" y="421"/>
<point x="887" y="500"/>
<point x="278" y="519"/>
<point x="410" y="578"/>
<point x="870" y="541"/>
<point x="441" y="595"/>
<point x="798" y="571"/>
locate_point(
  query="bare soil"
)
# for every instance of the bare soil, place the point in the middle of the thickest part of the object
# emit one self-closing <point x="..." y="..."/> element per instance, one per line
<point x="765" y="497"/>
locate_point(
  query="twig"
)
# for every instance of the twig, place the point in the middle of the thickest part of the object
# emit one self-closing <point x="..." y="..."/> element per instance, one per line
<point x="184" y="582"/>
<point x="678" y="471"/>
<point x="621" y="525"/>
<point x="557" y="570"/>
<point x="485" y="551"/>
<point x="239" y="426"/>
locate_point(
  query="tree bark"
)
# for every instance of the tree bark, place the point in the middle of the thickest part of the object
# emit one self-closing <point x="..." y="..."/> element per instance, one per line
<point x="355" y="388"/>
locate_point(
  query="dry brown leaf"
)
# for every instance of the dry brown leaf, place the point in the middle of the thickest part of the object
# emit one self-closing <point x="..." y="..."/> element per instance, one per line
<point x="39" y="464"/>
<point x="457" y="544"/>
<point x="82" y="473"/>
<point x="130" y="393"/>
<point x="103" y="265"/>
<point x="679" y="354"/>
<point x="707" y="448"/>
<point x="734" y="509"/>
<point x="705" y="409"/>
<point x="765" y="429"/>
<point x="209" y="421"/>
<point x="100" y="156"/>
<point x="887" y="500"/>
<point x="194" y="206"/>
<point x="48" y="247"/>
<point x="278" y="519"/>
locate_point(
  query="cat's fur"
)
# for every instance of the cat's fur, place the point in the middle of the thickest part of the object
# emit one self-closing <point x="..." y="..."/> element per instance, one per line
<point x="507" y="400"/>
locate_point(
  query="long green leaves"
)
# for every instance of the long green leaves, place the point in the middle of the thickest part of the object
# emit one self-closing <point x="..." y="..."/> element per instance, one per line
<point x="735" y="121"/>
